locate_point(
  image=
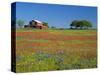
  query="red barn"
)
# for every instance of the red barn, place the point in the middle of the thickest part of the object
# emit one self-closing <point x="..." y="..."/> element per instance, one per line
<point x="36" y="24"/>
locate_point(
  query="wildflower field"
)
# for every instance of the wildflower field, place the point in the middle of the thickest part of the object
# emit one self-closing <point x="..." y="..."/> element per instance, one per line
<point x="48" y="50"/>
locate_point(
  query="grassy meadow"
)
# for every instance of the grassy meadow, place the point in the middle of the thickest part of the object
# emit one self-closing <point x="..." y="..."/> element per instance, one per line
<point x="47" y="50"/>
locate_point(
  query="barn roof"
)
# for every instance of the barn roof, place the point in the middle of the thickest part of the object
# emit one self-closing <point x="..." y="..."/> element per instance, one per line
<point x="37" y="21"/>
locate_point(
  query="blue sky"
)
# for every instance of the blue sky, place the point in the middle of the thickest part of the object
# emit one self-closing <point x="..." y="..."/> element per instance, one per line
<point x="59" y="16"/>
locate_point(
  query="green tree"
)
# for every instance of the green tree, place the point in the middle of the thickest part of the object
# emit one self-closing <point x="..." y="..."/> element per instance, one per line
<point x="87" y="24"/>
<point x="20" y="23"/>
<point x="83" y="24"/>
<point x="74" y="24"/>
<point x="45" y="24"/>
<point x="80" y="24"/>
<point x="53" y="27"/>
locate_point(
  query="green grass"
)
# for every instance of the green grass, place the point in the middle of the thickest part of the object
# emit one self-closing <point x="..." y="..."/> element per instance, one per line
<point x="51" y="54"/>
<point x="48" y="62"/>
<point x="63" y="32"/>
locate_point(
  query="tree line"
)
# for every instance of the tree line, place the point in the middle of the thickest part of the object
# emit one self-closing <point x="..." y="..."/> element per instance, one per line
<point x="76" y="24"/>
